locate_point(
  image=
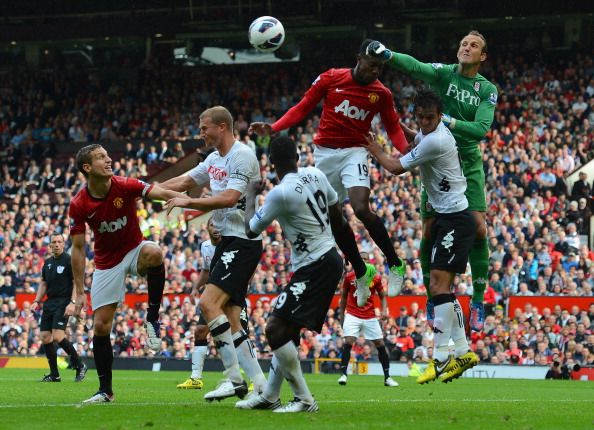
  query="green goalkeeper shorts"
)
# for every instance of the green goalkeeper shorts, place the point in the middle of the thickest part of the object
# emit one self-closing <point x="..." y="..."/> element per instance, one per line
<point x="472" y="167"/>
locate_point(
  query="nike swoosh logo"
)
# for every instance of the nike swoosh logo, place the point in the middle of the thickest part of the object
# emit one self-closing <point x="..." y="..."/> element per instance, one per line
<point x="226" y="276"/>
<point x="443" y="365"/>
<point x="92" y="215"/>
<point x="338" y="90"/>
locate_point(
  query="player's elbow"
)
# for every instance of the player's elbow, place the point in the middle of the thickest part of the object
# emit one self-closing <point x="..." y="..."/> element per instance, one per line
<point x="250" y="234"/>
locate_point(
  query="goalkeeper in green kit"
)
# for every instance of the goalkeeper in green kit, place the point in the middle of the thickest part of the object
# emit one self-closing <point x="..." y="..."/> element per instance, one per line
<point x="469" y="104"/>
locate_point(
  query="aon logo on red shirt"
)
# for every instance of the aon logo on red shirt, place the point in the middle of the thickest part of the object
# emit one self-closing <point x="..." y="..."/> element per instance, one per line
<point x="110" y="227"/>
<point x="351" y="111"/>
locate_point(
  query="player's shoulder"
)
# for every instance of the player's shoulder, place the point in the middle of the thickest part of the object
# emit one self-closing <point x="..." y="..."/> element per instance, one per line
<point x="80" y="198"/>
<point x="241" y="152"/>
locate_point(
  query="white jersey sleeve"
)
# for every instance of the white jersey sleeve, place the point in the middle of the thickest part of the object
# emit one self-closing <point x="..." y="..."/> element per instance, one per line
<point x="200" y="173"/>
<point x="426" y="151"/>
<point x="269" y="211"/>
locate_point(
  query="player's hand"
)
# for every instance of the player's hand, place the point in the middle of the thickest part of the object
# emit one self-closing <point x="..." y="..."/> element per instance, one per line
<point x="260" y="128"/>
<point x="371" y="144"/>
<point x="378" y="50"/>
<point x="70" y="310"/>
<point x="448" y="121"/>
<point x="81" y="303"/>
<point x="176" y="202"/>
<point x="35" y="307"/>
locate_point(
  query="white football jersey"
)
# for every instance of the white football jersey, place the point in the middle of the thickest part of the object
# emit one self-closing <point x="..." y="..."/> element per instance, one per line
<point x="300" y="204"/>
<point x="233" y="171"/>
<point x="441" y="172"/>
<point x="207" y="250"/>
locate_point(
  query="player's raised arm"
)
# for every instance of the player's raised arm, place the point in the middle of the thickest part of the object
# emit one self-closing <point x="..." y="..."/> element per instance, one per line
<point x="78" y="259"/>
<point x="405" y="63"/>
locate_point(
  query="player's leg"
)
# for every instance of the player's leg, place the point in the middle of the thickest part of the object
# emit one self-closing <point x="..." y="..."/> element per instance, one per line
<point x="149" y="263"/>
<point x="472" y="166"/>
<point x="107" y="290"/>
<point x="443" y="301"/>
<point x="103" y="352"/>
<point x="49" y="347"/>
<point x="428" y="217"/>
<point x="244" y="348"/>
<point x="349" y="327"/>
<point x="60" y="338"/>
<point x="464" y="357"/>
<point x="372" y="330"/>
<point x="232" y="266"/>
<point x="345" y="239"/>
<point x="462" y="240"/>
<point x="212" y="305"/>
<point x="359" y="199"/>
<point x="198" y="356"/>
<point x="304" y="303"/>
<point x="479" y="265"/>
<point x="327" y="160"/>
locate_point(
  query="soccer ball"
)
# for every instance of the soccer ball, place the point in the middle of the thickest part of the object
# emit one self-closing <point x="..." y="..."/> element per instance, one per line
<point x="266" y="34"/>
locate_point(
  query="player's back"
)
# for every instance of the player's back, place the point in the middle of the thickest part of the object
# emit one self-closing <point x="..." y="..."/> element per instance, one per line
<point x="302" y="201"/>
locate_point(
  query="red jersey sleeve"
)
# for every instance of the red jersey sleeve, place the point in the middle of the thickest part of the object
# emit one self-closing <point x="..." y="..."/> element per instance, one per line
<point x="137" y="188"/>
<point x="312" y="97"/>
<point x="391" y="121"/>
<point x="77" y="220"/>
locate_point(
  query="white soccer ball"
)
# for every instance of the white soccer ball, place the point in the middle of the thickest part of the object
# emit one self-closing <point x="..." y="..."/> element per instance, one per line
<point x="266" y="34"/>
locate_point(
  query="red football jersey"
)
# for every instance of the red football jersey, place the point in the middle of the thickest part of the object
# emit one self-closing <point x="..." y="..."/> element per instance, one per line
<point x="347" y="112"/>
<point x="364" y="312"/>
<point x="113" y="219"/>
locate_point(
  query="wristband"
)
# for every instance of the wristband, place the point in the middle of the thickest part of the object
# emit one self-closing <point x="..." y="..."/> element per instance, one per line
<point x="72" y="301"/>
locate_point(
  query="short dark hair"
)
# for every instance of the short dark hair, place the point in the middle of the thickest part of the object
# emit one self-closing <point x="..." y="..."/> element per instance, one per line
<point x="427" y="98"/>
<point x="83" y="156"/>
<point x="364" y="45"/>
<point x="283" y="150"/>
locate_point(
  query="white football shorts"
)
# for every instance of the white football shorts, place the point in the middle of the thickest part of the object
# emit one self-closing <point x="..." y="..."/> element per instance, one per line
<point x="108" y="285"/>
<point x="353" y="326"/>
<point x="344" y="167"/>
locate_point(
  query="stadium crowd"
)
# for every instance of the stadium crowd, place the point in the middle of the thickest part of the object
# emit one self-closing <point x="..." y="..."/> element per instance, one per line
<point x="537" y="227"/>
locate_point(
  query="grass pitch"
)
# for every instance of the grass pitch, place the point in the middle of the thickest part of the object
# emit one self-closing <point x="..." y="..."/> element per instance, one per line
<point x="150" y="400"/>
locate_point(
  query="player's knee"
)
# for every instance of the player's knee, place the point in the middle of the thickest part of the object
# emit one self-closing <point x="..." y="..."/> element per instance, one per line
<point x="46" y="337"/>
<point x="379" y="343"/>
<point x="153" y="257"/>
<point x="481" y="231"/>
<point x="276" y="333"/>
<point x="102" y="328"/>
<point x="363" y="212"/>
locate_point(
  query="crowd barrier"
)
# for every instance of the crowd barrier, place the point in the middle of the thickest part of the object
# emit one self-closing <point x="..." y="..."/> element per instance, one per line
<point x="394" y="303"/>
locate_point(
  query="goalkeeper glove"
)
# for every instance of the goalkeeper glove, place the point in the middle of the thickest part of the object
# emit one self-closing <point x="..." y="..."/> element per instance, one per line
<point x="378" y="50"/>
<point x="448" y="121"/>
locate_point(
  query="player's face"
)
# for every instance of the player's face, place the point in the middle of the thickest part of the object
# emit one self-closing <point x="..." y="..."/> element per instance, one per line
<point x="57" y="245"/>
<point x="100" y="164"/>
<point x="214" y="234"/>
<point x="427" y="118"/>
<point x="368" y="69"/>
<point x="211" y="132"/>
<point x="471" y="50"/>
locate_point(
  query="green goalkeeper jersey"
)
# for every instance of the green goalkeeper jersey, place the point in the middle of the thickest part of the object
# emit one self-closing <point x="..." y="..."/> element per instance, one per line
<point x="471" y="101"/>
